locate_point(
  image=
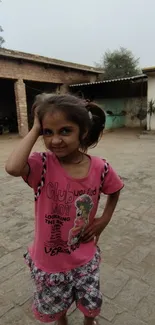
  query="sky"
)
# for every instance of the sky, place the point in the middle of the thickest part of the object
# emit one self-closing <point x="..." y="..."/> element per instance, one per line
<point x="80" y="30"/>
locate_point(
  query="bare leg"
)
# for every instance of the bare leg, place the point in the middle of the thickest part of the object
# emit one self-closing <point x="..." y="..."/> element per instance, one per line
<point x="62" y="320"/>
<point x="90" y="321"/>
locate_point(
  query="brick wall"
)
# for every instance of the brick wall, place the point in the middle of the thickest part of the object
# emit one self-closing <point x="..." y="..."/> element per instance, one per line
<point x="21" y="107"/>
<point x="21" y="70"/>
<point x="13" y="69"/>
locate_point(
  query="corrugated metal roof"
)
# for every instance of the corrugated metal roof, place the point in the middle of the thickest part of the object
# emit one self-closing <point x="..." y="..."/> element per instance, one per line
<point x="141" y="76"/>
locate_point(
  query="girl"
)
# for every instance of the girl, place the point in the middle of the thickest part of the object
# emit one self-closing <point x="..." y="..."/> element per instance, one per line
<point x="64" y="258"/>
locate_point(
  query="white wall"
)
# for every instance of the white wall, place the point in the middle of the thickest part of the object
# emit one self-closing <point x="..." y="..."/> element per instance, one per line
<point x="151" y="96"/>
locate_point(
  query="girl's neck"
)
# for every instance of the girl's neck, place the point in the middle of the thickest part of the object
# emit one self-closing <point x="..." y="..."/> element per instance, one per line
<point x="75" y="157"/>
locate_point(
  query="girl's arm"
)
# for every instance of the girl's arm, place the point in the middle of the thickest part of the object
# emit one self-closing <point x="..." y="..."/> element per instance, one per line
<point x="109" y="208"/>
<point x="112" y="185"/>
<point x="16" y="164"/>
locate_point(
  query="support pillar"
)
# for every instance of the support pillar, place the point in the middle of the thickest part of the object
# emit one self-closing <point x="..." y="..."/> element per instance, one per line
<point x="57" y="91"/>
<point x="64" y="89"/>
<point x="21" y="107"/>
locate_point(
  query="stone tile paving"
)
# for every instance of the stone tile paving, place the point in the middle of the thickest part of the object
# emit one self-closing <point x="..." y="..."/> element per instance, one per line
<point x="127" y="244"/>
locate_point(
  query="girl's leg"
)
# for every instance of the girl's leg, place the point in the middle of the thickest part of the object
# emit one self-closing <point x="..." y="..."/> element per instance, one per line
<point x="91" y="302"/>
<point x="90" y="321"/>
<point x="62" y="320"/>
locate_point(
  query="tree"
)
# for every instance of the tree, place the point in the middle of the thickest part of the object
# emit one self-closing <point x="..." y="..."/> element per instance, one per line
<point x="119" y="64"/>
<point x="151" y="111"/>
<point x="1" y="38"/>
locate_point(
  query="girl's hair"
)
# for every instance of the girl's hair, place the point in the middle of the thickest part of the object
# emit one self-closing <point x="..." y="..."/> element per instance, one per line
<point x="87" y="115"/>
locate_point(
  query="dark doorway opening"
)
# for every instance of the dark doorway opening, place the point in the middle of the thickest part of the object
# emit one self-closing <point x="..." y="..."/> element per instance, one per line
<point x="8" y="113"/>
<point x="34" y="88"/>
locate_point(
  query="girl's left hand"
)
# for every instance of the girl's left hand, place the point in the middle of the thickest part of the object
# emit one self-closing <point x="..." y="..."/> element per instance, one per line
<point x="93" y="231"/>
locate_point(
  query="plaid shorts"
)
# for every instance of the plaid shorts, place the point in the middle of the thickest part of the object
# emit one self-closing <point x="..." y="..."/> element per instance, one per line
<point x="55" y="293"/>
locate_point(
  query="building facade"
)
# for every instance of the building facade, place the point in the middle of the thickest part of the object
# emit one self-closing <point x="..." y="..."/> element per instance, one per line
<point x="124" y="100"/>
<point x="150" y="72"/>
<point x="22" y="76"/>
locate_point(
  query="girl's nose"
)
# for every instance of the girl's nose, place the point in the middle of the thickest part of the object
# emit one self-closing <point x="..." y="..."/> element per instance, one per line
<point x="56" y="140"/>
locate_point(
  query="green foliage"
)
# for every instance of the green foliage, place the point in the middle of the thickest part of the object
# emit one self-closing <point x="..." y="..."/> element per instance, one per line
<point x="119" y="64"/>
<point x="151" y="111"/>
<point x="1" y="38"/>
<point x="151" y="107"/>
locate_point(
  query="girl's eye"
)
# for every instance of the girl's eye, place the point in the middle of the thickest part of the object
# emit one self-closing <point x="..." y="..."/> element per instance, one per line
<point x="47" y="132"/>
<point x="65" y="131"/>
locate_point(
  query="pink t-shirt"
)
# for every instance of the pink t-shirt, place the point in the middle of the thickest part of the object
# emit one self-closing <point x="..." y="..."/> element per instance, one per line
<point x="64" y="206"/>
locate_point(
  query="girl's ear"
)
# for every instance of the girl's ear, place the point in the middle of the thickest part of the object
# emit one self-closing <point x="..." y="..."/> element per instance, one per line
<point x="85" y="135"/>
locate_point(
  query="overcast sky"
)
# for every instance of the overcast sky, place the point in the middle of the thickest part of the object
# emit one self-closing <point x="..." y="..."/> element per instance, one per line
<point x="80" y="30"/>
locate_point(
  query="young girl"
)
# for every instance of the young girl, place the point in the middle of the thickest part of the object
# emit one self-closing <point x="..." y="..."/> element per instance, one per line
<point x="64" y="258"/>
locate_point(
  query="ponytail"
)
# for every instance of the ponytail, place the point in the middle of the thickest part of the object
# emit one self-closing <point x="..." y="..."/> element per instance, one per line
<point x="98" y="119"/>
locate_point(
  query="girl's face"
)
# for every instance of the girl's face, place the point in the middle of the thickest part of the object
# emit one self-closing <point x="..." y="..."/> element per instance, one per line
<point x="60" y="135"/>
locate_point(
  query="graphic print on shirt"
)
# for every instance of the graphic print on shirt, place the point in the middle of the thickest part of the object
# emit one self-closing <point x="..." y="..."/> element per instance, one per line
<point x="83" y="206"/>
<point x="56" y="244"/>
<point x="67" y="205"/>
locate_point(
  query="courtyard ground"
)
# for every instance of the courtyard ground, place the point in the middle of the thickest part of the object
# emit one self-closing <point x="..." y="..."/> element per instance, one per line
<point x="127" y="244"/>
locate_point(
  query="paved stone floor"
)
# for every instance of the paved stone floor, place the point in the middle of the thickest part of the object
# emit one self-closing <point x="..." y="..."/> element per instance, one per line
<point x="128" y="243"/>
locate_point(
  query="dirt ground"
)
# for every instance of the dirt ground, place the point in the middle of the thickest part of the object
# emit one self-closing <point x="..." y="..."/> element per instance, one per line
<point x="127" y="244"/>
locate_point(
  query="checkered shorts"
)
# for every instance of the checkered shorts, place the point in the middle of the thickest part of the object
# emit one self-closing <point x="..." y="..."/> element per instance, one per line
<point x="55" y="293"/>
